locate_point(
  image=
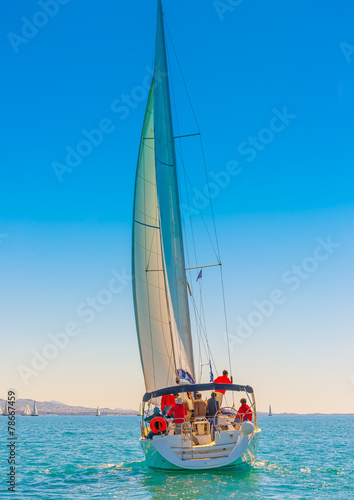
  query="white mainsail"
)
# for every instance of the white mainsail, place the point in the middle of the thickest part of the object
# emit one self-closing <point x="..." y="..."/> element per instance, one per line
<point x="27" y="410"/>
<point x="158" y="268"/>
<point x="34" y="411"/>
<point x="151" y="309"/>
<point x="98" y="413"/>
<point x="6" y="410"/>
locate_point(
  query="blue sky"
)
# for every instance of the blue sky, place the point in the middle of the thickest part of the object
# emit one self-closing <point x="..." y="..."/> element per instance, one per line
<point x="60" y="241"/>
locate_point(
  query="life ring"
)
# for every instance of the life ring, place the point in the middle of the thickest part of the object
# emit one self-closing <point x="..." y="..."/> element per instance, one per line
<point x="158" y="424"/>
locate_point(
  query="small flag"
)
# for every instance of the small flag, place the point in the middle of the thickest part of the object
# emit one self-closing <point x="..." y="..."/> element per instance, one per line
<point x="211" y="372"/>
<point x="199" y="275"/>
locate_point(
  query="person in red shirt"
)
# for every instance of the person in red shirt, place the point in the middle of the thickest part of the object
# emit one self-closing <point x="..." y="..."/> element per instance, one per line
<point x="178" y="412"/>
<point x="167" y="402"/>
<point x="224" y="379"/>
<point x="244" y="412"/>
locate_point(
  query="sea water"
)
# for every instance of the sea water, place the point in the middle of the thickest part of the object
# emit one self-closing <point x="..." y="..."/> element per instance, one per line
<point x="72" y="457"/>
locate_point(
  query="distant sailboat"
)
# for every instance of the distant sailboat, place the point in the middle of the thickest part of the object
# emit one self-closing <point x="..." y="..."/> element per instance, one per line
<point x="1" y="412"/>
<point x="98" y="413"/>
<point x="27" y="411"/>
<point x="6" y="411"/>
<point x="270" y="411"/>
<point x="34" y="411"/>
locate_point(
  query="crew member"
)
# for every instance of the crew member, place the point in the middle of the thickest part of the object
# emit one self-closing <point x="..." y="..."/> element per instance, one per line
<point x="244" y="412"/>
<point x="224" y="379"/>
<point x="200" y="406"/>
<point x="178" y="412"/>
<point x="156" y="413"/>
<point x="167" y="402"/>
<point x="213" y="410"/>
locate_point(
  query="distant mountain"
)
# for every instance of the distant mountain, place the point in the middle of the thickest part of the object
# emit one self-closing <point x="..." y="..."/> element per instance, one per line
<point x="57" y="408"/>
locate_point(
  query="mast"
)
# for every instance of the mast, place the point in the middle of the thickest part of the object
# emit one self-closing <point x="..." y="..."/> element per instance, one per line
<point x="158" y="268"/>
<point x="169" y="207"/>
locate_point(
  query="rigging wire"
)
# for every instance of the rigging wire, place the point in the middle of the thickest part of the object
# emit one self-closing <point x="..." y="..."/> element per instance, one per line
<point x="199" y="325"/>
<point x="182" y="215"/>
<point x="210" y="200"/>
<point x="202" y="324"/>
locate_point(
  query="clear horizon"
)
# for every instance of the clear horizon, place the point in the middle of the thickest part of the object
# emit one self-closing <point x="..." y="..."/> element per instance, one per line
<point x="273" y="94"/>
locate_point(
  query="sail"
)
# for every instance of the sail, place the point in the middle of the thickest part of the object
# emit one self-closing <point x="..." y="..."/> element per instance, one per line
<point x="169" y="207"/>
<point x="35" y="412"/>
<point x="159" y="283"/>
<point x="150" y="301"/>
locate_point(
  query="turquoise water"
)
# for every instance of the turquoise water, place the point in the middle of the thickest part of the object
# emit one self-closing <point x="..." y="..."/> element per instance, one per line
<point x="89" y="457"/>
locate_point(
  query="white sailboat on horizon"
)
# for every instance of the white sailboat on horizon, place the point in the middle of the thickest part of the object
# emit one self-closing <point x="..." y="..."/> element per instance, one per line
<point x="34" y="411"/>
<point x="6" y="409"/>
<point x="161" y="303"/>
<point x="27" y="411"/>
<point x="270" y="411"/>
<point x="98" y="413"/>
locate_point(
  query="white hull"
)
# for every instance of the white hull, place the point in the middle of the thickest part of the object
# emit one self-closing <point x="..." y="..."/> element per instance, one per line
<point x="169" y="453"/>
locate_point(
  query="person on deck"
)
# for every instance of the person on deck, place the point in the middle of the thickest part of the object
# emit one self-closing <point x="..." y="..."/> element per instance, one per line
<point x="178" y="412"/>
<point x="200" y="406"/>
<point x="213" y="406"/>
<point x="188" y="403"/>
<point x="156" y="413"/>
<point x="244" y="412"/>
<point x="213" y="409"/>
<point x="167" y="402"/>
<point x="224" y="379"/>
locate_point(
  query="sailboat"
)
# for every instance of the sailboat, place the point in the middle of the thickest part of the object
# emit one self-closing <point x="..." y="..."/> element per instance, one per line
<point x="34" y="411"/>
<point x="161" y="303"/>
<point x="27" y="411"/>
<point x="270" y="411"/>
<point x="6" y="410"/>
<point x="98" y="413"/>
